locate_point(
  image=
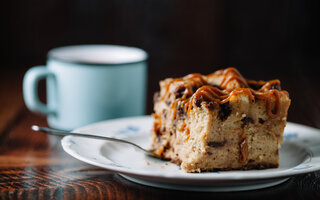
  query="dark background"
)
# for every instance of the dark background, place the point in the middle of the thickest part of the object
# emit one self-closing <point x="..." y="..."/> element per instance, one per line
<point x="263" y="39"/>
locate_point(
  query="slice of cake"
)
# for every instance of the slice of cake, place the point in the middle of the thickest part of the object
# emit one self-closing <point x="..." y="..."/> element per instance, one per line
<point x="219" y="121"/>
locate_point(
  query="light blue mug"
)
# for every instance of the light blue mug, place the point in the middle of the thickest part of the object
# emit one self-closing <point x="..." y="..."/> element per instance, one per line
<point x="88" y="83"/>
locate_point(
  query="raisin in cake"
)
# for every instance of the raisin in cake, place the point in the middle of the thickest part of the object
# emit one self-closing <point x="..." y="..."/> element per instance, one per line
<point x="219" y="121"/>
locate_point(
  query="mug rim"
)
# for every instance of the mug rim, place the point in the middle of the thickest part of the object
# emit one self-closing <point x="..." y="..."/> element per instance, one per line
<point x="55" y="54"/>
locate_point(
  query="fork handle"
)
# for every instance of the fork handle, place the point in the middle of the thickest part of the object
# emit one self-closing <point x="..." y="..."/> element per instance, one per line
<point x="66" y="133"/>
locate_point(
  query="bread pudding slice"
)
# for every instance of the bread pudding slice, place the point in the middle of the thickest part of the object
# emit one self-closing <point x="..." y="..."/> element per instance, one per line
<point x="219" y="122"/>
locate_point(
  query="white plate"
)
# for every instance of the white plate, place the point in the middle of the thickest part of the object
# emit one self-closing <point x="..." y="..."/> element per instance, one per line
<point x="299" y="154"/>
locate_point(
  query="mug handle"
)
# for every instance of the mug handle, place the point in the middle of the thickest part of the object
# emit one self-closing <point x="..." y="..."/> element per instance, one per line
<point x="30" y="89"/>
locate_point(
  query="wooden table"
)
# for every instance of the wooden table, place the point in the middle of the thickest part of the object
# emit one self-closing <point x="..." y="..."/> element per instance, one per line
<point x="34" y="166"/>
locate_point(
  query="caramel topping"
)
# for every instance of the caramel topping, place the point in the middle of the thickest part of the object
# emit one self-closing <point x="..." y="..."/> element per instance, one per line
<point x="157" y="123"/>
<point x="160" y="151"/>
<point x="265" y="85"/>
<point x="182" y="127"/>
<point x="243" y="150"/>
<point x="188" y="131"/>
<point x="230" y="74"/>
<point x="190" y="80"/>
<point x="188" y="134"/>
<point x="267" y="97"/>
<point x="188" y="137"/>
<point x="232" y="83"/>
<point x="174" y="108"/>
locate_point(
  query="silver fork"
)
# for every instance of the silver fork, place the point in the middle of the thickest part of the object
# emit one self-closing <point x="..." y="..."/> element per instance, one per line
<point x="65" y="133"/>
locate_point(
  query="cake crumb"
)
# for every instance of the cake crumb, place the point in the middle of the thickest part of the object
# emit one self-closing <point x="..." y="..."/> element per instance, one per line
<point x="148" y="163"/>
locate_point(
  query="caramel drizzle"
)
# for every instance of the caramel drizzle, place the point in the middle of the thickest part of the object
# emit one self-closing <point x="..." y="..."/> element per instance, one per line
<point x="213" y="94"/>
<point x="265" y="85"/>
<point x="231" y="74"/>
<point x="210" y="93"/>
<point x="267" y="97"/>
<point x="243" y="146"/>
<point x="189" y="80"/>
<point x="188" y="134"/>
<point x="157" y="124"/>
<point x="182" y="127"/>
